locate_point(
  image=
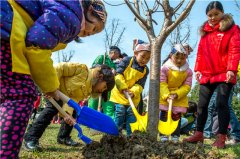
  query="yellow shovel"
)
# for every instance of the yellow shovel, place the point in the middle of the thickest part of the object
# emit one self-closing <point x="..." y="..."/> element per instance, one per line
<point x="141" y="123"/>
<point x="169" y="126"/>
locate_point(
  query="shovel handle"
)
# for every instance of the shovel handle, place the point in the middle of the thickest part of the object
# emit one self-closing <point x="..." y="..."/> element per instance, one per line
<point x="99" y="103"/>
<point x="170" y="105"/>
<point x="58" y="107"/>
<point x="63" y="97"/>
<point x="129" y="99"/>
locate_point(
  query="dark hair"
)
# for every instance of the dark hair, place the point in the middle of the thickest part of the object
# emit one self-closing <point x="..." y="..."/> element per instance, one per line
<point x="113" y="48"/>
<point x="214" y="5"/>
<point x="192" y="107"/>
<point x="123" y="55"/>
<point x="108" y="76"/>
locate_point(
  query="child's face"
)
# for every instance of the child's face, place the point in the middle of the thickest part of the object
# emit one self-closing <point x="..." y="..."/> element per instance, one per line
<point x="93" y="25"/>
<point x="214" y="16"/>
<point x="179" y="59"/>
<point x="114" y="55"/>
<point x="142" y="57"/>
<point x="100" y="87"/>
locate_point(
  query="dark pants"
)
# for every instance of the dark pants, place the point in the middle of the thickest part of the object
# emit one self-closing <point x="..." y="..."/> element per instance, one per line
<point x="205" y="93"/>
<point x="42" y="122"/>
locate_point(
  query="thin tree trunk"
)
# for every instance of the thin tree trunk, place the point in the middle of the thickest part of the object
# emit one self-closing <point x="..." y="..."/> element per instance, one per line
<point x="153" y="105"/>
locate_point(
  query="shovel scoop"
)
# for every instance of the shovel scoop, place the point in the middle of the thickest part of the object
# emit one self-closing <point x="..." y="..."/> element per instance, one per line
<point x="141" y="123"/>
<point x="169" y="126"/>
<point x="76" y="126"/>
<point x="92" y="118"/>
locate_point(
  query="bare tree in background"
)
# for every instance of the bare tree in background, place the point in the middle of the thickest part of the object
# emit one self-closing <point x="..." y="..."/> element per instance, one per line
<point x="171" y="19"/>
<point x="65" y="56"/>
<point x="181" y="33"/>
<point x="237" y="4"/>
<point x="113" y="34"/>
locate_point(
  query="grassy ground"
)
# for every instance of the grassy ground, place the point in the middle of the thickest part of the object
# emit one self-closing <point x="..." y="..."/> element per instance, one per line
<point x="53" y="150"/>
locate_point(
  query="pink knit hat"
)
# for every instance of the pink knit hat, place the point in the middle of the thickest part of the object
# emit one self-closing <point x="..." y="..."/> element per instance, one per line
<point x="139" y="45"/>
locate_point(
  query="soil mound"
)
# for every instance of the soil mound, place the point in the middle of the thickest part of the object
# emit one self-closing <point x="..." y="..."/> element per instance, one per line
<point x="142" y="146"/>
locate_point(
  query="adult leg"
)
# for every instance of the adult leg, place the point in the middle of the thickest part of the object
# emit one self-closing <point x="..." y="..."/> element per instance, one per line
<point x="234" y="123"/>
<point x="223" y="93"/>
<point x="205" y="94"/>
<point x="209" y="123"/>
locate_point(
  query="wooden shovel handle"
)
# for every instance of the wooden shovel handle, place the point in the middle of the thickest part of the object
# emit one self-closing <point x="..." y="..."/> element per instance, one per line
<point x="129" y="99"/>
<point x="59" y="108"/>
<point x="63" y="97"/>
<point x="170" y="105"/>
<point x="99" y="103"/>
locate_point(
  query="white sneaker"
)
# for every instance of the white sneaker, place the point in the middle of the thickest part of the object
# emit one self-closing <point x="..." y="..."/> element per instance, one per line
<point x="175" y="139"/>
<point x="164" y="138"/>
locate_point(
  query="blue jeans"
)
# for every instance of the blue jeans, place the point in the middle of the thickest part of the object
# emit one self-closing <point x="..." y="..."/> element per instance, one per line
<point x="234" y="123"/>
<point x="124" y="113"/>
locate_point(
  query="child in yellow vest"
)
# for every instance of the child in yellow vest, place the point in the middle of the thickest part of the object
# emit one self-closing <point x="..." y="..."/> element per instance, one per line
<point x="131" y="77"/>
<point x="175" y="84"/>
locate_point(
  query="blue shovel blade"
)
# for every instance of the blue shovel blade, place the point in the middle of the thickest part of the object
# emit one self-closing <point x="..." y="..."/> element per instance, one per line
<point x="94" y="119"/>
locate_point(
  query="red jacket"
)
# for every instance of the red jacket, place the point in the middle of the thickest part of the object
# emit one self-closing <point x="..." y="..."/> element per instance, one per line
<point x="218" y="51"/>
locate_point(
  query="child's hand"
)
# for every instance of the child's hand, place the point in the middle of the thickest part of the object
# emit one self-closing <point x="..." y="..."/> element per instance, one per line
<point x="198" y="76"/>
<point x="173" y="96"/>
<point x="129" y="93"/>
<point x="53" y="94"/>
<point x="69" y="120"/>
<point x="229" y="76"/>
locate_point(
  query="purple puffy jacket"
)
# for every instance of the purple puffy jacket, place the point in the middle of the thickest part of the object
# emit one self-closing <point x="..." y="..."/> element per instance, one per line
<point x="55" y="21"/>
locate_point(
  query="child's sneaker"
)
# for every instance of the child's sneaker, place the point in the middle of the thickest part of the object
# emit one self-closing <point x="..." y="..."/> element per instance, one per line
<point x="164" y="138"/>
<point x="175" y="139"/>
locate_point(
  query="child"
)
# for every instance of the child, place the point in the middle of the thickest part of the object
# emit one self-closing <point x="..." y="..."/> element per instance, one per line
<point x="190" y="118"/>
<point x="175" y="84"/>
<point x="78" y="82"/>
<point x="30" y="31"/>
<point x="106" y="107"/>
<point x="216" y="68"/>
<point x="131" y="77"/>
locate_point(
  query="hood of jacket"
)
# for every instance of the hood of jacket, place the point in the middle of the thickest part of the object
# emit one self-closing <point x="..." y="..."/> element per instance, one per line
<point x="226" y="23"/>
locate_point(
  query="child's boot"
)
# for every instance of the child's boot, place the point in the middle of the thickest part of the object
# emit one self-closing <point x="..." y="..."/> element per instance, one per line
<point x="197" y="137"/>
<point x="220" y="141"/>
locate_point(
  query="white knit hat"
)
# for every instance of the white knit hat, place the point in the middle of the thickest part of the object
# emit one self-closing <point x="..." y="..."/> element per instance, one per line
<point x="178" y="48"/>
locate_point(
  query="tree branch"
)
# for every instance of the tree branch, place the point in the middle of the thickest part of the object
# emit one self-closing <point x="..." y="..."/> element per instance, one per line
<point x="138" y="16"/>
<point x="182" y="16"/>
<point x="178" y="6"/>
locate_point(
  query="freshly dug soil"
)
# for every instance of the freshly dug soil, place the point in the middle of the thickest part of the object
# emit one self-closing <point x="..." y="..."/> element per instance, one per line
<point x="142" y="146"/>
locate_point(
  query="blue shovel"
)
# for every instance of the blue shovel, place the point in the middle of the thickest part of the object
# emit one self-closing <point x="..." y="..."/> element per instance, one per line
<point x="92" y="118"/>
<point x="76" y="126"/>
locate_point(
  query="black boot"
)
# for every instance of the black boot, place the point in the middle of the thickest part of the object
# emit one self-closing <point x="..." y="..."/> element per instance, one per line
<point x="68" y="141"/>
<point x="64" y="134"/>
<point x="32" y="146"/>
